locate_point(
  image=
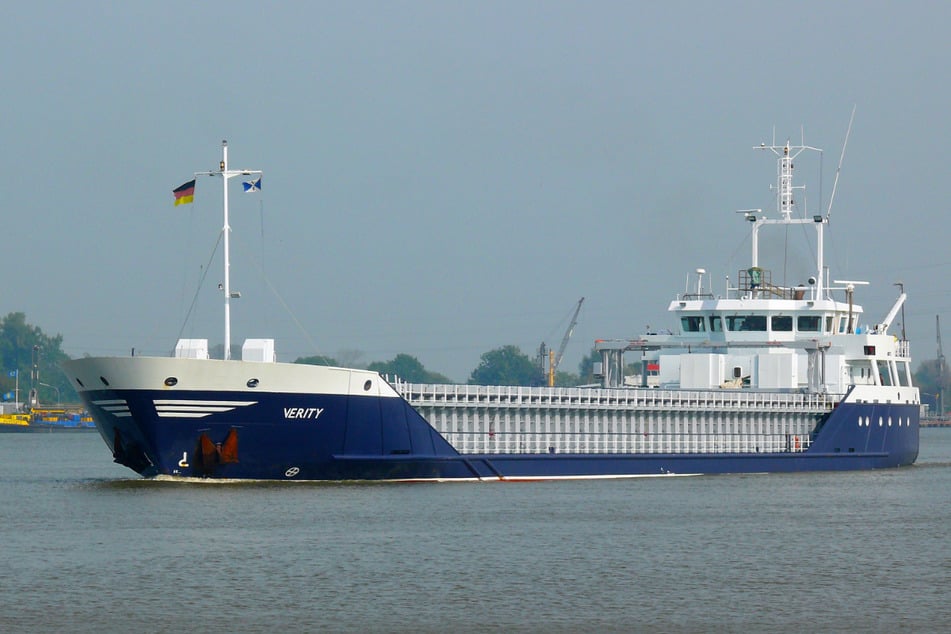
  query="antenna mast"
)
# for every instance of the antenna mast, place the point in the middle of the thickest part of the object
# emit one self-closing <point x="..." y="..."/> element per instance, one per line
<point x="226" y="174"/>
<point x="838" y="169"/>
<point x="785" y="203"/>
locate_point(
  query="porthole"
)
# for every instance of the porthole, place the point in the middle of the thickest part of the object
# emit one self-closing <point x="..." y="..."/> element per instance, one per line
<point x="253" y="382"/>
<point x="80" y="383"/>
<point x="104" y="381"/>
<point x="860" y="421"/>
<point x="889" y="421"/>
<point x="866" y="421"/>
<point x="879" y="421"/>
<point x="171" y="381"/>
<point x="367" y="385"/>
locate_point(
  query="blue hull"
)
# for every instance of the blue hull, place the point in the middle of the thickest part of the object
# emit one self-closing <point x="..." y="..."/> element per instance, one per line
<point x="370" y="438"/>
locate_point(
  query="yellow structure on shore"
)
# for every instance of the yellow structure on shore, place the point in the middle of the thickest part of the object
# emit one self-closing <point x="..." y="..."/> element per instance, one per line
<point x="63" y="418"/>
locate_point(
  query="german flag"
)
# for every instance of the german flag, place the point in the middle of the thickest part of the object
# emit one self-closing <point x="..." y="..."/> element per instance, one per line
<point x="185" y="193"/>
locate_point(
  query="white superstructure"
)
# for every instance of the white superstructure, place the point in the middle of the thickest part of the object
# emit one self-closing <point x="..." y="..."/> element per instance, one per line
<point x="755" y="370"/>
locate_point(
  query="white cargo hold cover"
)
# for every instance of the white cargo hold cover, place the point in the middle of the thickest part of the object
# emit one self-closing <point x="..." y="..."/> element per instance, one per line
<point x="261" y="350"/>
<point x="191" y="349"/>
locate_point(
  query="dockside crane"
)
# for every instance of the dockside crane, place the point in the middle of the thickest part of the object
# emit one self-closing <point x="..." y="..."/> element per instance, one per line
<point x="939" y="402"/>
<point x="555" y="360"/>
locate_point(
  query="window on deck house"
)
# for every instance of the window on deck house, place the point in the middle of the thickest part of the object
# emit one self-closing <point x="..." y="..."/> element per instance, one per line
<point x="781" y="323"/>
<point x="693" y="324"/>
<point x="746" y="323"/>
<point x="808" y="323"/>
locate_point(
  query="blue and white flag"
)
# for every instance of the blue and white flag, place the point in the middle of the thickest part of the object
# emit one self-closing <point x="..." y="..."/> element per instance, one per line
<point x="252" y="186"/>
<point x="13" y="373"/>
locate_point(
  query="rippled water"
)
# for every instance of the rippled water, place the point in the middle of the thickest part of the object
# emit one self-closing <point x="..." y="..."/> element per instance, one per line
<point x="87" y="546"/>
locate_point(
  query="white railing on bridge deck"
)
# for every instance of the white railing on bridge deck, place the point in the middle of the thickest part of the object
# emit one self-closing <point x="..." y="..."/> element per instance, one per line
<point x="904" y="349"/>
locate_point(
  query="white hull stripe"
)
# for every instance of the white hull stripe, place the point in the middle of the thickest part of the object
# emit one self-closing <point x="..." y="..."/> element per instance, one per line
<point x="170" y="408"/>
<point x="192" y="402"/>
<point x="192" y="408"/>
<point x="183" y="414"/>
<point x="116" y="407"/>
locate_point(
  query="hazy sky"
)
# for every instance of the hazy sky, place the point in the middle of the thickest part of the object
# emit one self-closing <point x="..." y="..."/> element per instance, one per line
<point x="443" y="178"/>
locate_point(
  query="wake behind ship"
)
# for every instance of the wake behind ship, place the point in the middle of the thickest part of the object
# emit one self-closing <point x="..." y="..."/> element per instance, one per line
<point x="767" y="378"/>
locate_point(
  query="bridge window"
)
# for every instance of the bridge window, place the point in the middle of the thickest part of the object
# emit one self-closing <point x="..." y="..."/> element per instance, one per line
<point x="746" y="323"/>
<point x="808" y="323"/>
<point x="883" y="376"/>
<point x="693" y="324"/>
<point x="781" y="323"/>
<point x="829" y="325"/>
<point x="716" y="324"/>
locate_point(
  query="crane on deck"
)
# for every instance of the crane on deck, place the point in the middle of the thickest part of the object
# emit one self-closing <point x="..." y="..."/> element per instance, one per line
<point x="554" y="360"/>
<point x="939" y="401"/>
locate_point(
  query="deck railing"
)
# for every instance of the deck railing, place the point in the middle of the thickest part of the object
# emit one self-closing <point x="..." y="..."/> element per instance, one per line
<point x="647" y="398"/>
<point x="494" y="419"/>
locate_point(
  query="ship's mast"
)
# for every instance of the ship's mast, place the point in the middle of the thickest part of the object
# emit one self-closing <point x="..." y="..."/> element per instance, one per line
<point x="226" y="174"/>
<point x="786" y="204"/>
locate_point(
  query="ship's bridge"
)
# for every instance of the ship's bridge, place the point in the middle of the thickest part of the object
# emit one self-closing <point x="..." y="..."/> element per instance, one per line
<point x="757" y="310"/>
<point x="750" y="320"/>
<point x="763" y="336"/>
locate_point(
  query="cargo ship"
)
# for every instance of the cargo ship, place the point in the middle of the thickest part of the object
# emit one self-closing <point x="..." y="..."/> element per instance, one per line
<point x="764" y="377"/>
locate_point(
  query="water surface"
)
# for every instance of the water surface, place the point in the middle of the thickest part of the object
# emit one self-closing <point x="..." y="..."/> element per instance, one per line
<point x="88" y="546"/>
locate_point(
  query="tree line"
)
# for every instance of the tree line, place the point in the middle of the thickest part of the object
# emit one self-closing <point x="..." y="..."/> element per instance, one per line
<point x="23" y="345"/>
<point x="506" y="365"/>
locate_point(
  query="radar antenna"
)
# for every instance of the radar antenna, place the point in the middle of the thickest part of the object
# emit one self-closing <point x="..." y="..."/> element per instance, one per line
<point x="785" y="203"/>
